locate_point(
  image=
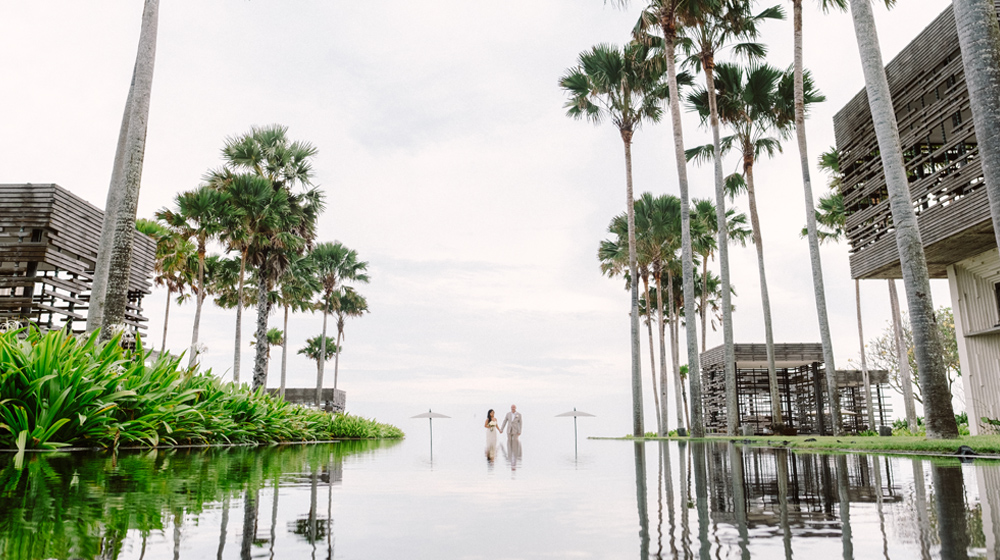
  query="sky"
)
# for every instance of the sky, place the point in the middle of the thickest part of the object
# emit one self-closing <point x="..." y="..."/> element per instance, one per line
<point x="449" y="164"/>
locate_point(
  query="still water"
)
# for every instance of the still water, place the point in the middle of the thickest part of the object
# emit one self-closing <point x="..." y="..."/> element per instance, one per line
<point x="608" y="499"/>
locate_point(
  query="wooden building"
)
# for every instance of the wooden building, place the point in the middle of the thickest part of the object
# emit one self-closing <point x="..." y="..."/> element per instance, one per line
<point x="931" y="102"/>
<point x="48" y="247"/>
<point x="802" y="389"/>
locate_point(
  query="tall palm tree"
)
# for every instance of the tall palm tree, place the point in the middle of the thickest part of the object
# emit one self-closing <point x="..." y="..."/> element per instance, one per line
<point x="334" y="264"/>
<point x="267" y="152"/>
<point x="938" y="412"/>
<point x="296" y="289"/>
<point x="109" y="291"/>
<point x="198" y="216"/>
<point x="622" y="85"/>
<point x="176" y="261"/>
<point x="753" y="105"/>
<point x="246" y="215"/>
<point x="716" y="25"/>
<point x="668" y="16"/>
<point x="979" y="39"/>
<point x="349" y="304"/>
<point x="799" y="117"/>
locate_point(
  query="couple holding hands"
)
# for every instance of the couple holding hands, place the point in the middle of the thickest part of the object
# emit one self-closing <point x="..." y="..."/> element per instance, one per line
<point x="511" y="422"/>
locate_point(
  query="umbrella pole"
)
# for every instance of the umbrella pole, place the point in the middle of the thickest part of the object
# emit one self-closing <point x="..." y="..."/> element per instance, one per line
<point x="575" y="438"/>
<point x="431" y="420"/>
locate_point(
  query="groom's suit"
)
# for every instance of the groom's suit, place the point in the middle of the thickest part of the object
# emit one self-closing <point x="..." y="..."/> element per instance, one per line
<point x="514" y="419"/>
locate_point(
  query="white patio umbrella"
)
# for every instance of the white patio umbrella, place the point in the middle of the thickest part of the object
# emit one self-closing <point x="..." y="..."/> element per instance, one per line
<point x="430" y="416"/>
<point x="575" y="414"/>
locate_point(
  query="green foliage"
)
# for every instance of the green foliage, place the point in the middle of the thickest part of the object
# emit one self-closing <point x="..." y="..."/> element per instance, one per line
<point x="61" y="390"/>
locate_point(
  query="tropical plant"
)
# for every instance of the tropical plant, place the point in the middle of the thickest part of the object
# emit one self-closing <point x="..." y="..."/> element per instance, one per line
<point x="713" y="26"/>
<point x="669" y="16"/>
<point x="811" y="232"/>
<point x="754" y="105"/>
<point x="174" y="268"/>
<point x="296" y="289"/>
<point x="109" y="290"/>
<point x="623" y="85"/>
<point x="938" y="410"/>
<point x="320" y="349"/>
<point x="285" y="220"/>
<point x="705" y="230"/>
<point x="197" y="217"/>
<point x="334" y="264"/>
<point x="349" y="304"/>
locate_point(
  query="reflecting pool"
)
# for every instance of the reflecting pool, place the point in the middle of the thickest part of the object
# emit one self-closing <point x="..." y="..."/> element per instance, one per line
<point x="535" y="499"/>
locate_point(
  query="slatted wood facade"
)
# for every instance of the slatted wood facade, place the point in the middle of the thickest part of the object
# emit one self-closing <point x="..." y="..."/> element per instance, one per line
<point x="802" y="389"/>
<point x="931" y="102"/>
<point x="48" y="247"/>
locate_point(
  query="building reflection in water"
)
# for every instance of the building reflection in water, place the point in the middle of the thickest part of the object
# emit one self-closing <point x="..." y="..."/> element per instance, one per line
<point x="743" y="495"/>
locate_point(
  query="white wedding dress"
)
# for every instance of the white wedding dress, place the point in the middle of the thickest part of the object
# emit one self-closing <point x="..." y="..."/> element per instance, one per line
<point x="491" y="436"/>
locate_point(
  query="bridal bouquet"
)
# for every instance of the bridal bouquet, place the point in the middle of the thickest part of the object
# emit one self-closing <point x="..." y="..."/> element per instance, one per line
<point x="493" y="425"/>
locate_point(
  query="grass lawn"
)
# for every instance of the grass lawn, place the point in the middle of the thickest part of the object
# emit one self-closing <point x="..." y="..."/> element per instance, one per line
<point x="987" y="446"/>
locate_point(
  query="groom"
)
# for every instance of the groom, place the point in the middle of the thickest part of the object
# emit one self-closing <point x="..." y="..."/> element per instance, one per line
<point x="514" y="419"/>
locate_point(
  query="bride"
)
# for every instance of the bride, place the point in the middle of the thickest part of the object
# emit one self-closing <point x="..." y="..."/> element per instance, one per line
<point x="491" y="434"/>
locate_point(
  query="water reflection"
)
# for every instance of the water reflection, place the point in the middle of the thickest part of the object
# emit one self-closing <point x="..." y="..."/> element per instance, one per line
<point x="84" y="506"/>
<point x="753" y="502"/>
<point x="691" y="500"/>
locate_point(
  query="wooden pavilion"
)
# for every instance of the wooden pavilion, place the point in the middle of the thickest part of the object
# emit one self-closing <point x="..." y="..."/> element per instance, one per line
<point x="48" y="247"/>
<point x="802" y="389"/>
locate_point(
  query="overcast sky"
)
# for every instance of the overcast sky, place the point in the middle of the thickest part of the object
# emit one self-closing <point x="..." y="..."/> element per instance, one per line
<point x="448" y="164"/>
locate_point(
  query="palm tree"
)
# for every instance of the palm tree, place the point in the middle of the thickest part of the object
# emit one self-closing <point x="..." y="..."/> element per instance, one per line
<point x="623" y="85"/>
<point x="109" y="291"/>
<point x="938" y="411"/>
<point x="751" y="103"/>
<point x="176" y="261"/>
<point x="246" y="215"/>
<point x="705" y="230"/>
<point x="668" y="14"/>
<point x="813" y="236"/>
<point x="295" y="293"/>
<point x="334" y="264"/>
<point x="714" y="26"/>
<point x="199" y="217"/>
<point x="268" y="153"/>
<point x="979" y="39"/>
<point x="317" y="346"/>
<point x="349" y="304"/>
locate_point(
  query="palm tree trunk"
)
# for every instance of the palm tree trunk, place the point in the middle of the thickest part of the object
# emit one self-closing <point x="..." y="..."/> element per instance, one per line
<point x="199" y="300"/>
<point x="765" y="301"/>
<point x="652" y="353"/>
<point x="237" y="349"/>
<point x="864" y="360"/>
<point x="223" y="527"/>
<point x="732" y="401"/>
<point x="109" y="290"/>
<point x="687" y="265"/>
<point x="637" y="428"/>
<point x="905" y="380"/>
<point x="166" y="321"/>
<point x="939" y="416"/>
<point x="322" y="361"/>
<point x="979" y="38"/>
<point x="249" y="521"/>
<point x="704" y="300"/>
<point x="284" y="355"/>
<point x="336" y="360"/>
<point x="658" y="276"/>
<point x="819" y="291"/>
<point x="675" y="353"/>
<point x="263" y="310"/>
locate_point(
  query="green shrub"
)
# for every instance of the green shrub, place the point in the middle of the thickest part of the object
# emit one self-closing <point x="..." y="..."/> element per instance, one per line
<point x="58" y="390"/>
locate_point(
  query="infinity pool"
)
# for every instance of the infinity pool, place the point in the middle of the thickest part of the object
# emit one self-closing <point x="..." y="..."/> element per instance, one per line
<point x="604" y="499"/>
